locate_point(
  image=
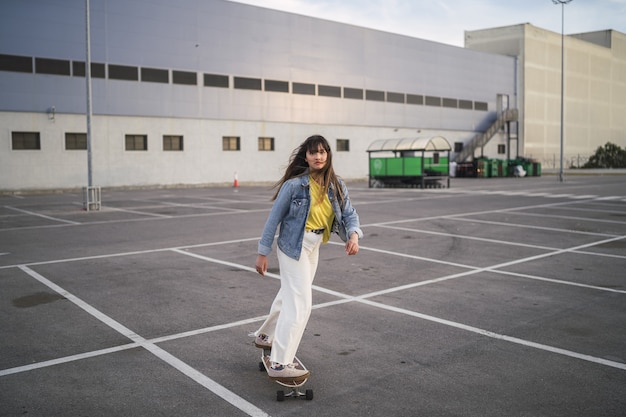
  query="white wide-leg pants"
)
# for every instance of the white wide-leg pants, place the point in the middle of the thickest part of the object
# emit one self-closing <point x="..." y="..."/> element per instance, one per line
<point x="291" y="308"/>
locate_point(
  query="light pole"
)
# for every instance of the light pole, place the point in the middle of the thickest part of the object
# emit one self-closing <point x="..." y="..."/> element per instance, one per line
<point x="88" y="82"/>
<point x="91" y="194"/>
<point x="562" y="3"/>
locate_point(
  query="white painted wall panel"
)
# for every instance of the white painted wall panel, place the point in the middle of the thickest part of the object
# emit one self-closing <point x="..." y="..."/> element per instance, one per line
<point x="236" y="40"/>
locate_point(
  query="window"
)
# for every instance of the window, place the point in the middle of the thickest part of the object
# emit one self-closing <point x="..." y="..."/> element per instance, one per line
<point x="465" y="104"/>
<point x="374" y="95"/>
<point x="279" y="86"/>
<point x="25" y="141"/>
<point x="395" y="97"/>
<point x="172" y="143"/>
<point x="458" y="146"/>
<point x="75" y="141"/>
<point x="16" y="63"/>
<point x="215" y="80"/>
<point x="414" y="99"/>
<point x="501" y="149"/>
<point x="231" y="143"/>
<point x="433" y="101"/>
<point x="435" y="158"/>
<point x="329" y="91"/>
<point x="355" y="93"/>
<point x="450" y="102"/>
<point x="52" y="66"/>
<point x="248" y="83"/>
<point x="155" y="75"/>
<point x="479" y="105"/>
<point x="184" y="77"/>
<point x="123" y="72"/>
<point x="343" y="145"/>
<point x="136" y="142"/>
<point x="78" y="69"/>
<point x="302" y="88"/>
<point x="266" y="144"/>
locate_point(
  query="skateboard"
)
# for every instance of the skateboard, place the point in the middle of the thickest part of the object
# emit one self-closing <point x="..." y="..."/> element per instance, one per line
<point x="293" y="385"/>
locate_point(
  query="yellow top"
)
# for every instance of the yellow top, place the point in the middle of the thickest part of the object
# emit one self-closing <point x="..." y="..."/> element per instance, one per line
<point x="321" y="214"/>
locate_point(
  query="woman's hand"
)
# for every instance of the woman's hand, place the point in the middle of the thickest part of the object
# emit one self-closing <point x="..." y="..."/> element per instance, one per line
<point x="261" y="264"/>
<point x="352" y="245"/>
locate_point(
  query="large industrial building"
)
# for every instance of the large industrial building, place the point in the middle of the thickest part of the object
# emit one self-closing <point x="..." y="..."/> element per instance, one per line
<point x="193" y="92"/>
<point x="594" y="93"/>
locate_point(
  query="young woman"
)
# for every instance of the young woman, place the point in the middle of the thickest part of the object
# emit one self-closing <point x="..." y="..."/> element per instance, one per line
<point x="311" y="202"/>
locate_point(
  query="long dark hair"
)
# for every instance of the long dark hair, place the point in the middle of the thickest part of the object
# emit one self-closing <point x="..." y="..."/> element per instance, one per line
<point x="298" y="166"/>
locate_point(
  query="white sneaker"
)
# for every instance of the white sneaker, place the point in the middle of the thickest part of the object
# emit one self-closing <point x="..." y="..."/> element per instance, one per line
<point x="262" y="341"/>
<point x="287" y="373"/>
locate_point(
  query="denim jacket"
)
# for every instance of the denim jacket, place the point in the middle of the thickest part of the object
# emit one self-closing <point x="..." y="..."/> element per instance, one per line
<point x="291" y="210"/>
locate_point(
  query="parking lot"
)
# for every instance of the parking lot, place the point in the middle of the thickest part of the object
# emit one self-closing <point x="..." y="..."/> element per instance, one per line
<point x="495" y="297"/>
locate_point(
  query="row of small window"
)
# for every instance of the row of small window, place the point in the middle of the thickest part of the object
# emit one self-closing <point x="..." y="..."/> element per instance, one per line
<point x="78" y="141"/>
<point x="233" y="143"/>
<point x="17" y="63"/>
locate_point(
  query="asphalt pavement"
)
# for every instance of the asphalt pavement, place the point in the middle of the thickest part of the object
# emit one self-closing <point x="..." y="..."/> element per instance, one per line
<point x="495" y="297"/>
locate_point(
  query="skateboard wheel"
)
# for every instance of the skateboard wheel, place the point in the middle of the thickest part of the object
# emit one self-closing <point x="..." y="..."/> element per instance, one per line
<point x="309" y="394"/>
<point x="280" y="395"/>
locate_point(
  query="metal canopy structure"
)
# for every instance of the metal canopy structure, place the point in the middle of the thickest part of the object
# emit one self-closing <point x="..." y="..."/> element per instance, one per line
<point x="409" y="162"/>
<point x="426" y="144"/>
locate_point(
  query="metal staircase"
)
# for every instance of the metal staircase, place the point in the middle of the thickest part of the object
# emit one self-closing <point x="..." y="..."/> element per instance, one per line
<point x="481" y="139"/>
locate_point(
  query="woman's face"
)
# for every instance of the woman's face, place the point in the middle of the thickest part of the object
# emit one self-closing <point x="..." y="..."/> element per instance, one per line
<point x="316" y="159"/>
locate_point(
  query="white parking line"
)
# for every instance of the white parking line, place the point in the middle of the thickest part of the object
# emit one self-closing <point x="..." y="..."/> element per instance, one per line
<point x="365" y="299"/>
<point x="458" y="236"/>
<point x="560" y="216"/>
<point x="528" y="194"/>
<point x="608" y="198"/>
<point x="492" y="268"/>
<point x="559" y="196"/>
<point x="526" y="226"/>
<point x="498" y="336"/>
<point x="141" y="213"/>
<point x="150" y="345"/>
<point x="137" y="341"/>
<point x="583" y="197"/>
<point x="237" y="401"/>
<point x="66" y="359"/>
<point x="32" y="213"/>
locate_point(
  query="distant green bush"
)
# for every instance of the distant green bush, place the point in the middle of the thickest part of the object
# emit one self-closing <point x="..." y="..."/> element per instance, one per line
<point x="609" y="156"/>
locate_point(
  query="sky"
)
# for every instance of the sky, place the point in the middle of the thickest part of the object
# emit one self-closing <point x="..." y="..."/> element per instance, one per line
<point x="445" y="21"/>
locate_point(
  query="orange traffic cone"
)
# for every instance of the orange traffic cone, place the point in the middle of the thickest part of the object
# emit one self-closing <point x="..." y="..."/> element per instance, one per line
<point x="236" y="184"/>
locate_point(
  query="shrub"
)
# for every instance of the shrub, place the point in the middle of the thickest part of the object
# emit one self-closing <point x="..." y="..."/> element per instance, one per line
<point x="609" y="156"/>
